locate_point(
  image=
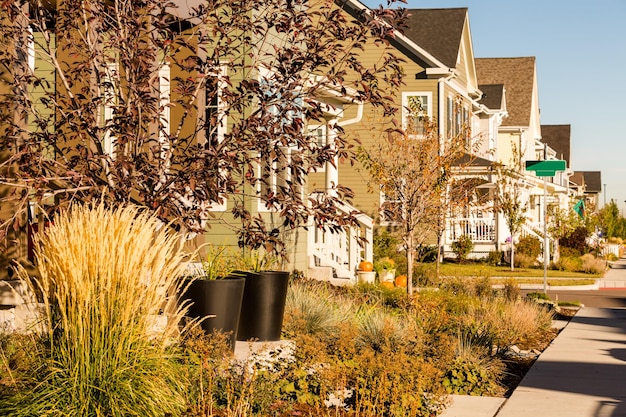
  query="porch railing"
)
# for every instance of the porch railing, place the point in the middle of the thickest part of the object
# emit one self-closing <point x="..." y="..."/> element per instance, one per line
<point x="478" y="229"/>
<point x="342" y="250"/>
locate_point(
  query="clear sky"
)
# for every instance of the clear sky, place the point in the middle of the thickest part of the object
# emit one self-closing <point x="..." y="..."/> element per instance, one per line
<point x="580" y="48"/>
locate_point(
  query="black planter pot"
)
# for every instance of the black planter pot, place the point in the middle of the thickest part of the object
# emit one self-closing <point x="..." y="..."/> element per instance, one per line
<point x="219" y="298"/>
<point x="263" y="306"/>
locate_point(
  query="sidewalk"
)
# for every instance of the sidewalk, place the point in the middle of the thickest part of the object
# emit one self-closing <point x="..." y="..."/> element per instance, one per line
<point x="581" y="374"/>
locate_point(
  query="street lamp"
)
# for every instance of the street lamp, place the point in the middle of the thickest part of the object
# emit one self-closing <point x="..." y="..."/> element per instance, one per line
<point x="605" y="195"/>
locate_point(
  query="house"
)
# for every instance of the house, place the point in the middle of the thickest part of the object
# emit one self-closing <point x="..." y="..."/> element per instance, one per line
<point x="590" y="185"/>
<point x="254" y="190"/>
<point x="520" y="140"/>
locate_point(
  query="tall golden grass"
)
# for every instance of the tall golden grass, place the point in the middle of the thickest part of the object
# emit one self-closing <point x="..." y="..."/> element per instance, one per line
<point x="105" y="276"/>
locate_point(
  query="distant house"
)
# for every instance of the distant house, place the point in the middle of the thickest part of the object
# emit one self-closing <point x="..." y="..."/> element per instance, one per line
<point x="590" y="183"/>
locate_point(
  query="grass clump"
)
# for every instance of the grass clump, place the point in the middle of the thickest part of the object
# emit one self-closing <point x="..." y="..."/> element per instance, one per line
<point x="104" y="277"/>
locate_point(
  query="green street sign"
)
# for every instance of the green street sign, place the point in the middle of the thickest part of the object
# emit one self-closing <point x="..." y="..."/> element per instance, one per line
<point x="546" y="168"/>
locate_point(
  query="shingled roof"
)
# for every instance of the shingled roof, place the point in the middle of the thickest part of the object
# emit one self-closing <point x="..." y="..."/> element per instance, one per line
<point x="438" y="31"/>
<point x="493" y="96"/>
<point x="591" y="179"/>
<point x="518" y="76"/>
<point x="558" y="138"/>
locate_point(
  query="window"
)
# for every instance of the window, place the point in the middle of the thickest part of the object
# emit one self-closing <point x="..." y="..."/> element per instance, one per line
<point x="286" y="120"/>
<point x="458" y="118"/>
<point x="391" y="206"/>
<point x="110" y="79"/>
<point x="214" y="120"/>
<point x="319" y="139"/>
<point x="417" y="111"/>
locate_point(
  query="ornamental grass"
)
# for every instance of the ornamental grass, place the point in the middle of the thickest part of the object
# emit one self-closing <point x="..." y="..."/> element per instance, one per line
<point x="106" y="277"/>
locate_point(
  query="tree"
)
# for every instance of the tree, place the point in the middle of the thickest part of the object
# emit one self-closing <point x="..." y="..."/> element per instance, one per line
<point x="509" y="201"/>
<point x="413" y="172"/>
<point x="177" y="109"/>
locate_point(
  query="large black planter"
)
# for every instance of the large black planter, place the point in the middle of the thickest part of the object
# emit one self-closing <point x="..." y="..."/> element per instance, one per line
<point x="263" y="306"/>
<point x="221" y="299"/>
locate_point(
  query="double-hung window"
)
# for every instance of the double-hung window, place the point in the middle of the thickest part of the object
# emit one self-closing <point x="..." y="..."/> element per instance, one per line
<point x="417" y="111"/>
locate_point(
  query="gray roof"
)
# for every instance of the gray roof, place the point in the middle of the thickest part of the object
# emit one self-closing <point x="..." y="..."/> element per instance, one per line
<point x="493" y="96"/>
<point x="592" y="180"/>
<point x="438" y="31"/>
<point x="558" y="138"/>
<point x="518" y="76"/>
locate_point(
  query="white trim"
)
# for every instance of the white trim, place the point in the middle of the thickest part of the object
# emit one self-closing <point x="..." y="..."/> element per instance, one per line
<point x="406" y="106"/>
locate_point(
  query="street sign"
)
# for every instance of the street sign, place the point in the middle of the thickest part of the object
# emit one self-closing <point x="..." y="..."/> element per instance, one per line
<point x="546" y="168"/>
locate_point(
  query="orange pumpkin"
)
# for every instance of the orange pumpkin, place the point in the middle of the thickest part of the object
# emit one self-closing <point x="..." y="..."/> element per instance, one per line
<point x="387" y="284"/>
<point x="401" y="281"/>
<point x="365" y="266"/>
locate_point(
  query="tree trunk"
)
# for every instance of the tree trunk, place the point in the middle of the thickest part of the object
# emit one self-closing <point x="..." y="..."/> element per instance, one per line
<point x="410" y="258"/>
<point x="512" y="252"/>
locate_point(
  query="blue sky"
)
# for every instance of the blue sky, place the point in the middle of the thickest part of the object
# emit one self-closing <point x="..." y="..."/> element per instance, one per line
<point x="581" y="70"/>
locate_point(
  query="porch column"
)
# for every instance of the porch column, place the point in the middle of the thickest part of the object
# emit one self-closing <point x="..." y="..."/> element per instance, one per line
<point x="331" y="171"/>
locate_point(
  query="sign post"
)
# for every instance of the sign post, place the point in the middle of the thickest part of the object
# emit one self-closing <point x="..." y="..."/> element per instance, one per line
<point x="545" y="169"/>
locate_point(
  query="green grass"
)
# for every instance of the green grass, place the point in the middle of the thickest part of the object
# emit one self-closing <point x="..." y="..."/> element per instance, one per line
<point x="481" y="270"/>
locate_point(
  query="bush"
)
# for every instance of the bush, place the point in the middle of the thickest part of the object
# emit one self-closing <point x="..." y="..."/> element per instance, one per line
<point x="462" y="247"/>
<point x="495" y="258"/>
<point x="576" y="240"/>
<point x="567" y="252"/>
<point x="592" y="265"/>
<point x="524" y="261"/>
<point x="529" y="246"/>
<point x="569" y="264"/>
<point x="426" y="253"/>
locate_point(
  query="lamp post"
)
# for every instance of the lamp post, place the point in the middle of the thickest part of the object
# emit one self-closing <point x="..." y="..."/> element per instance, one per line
<point x="604" y="195"/>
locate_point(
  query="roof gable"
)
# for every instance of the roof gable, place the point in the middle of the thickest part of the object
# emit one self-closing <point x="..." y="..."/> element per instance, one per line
<point x="493" y="96"/>
<point x="439" y="31"/>
<point x="558" y="138"/>
<point x="592" y="180"/>
<point x="518" y="77"/>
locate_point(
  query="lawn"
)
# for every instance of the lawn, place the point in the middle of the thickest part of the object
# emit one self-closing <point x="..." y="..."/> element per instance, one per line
<point x="522" y="275"/>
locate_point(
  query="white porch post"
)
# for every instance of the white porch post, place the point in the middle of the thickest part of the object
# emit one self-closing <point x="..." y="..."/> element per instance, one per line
<point x="331" y="169"/>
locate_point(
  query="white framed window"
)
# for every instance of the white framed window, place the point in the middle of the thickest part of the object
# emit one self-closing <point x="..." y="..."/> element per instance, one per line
<point x="275" y="178"/>
<point x="109" y="84"/>
<point x="416" y="112"/>
<point x="214" y="119"/>
<point x="391" y="206"/>
<point x="318" y="136"/>
<point x="287" y="112"/>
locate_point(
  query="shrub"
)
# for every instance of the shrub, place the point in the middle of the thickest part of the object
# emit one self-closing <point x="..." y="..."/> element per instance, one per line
<point x="425" y="275"/>
<point x="569" y="264"/>
<point x="495" y="258"/>
<point x="576" y="240"/>
<point x="529" y="246"/>
<point x="426" y="253"/>
<point x="511" y="290"/>
<point x="462" y="247"/>
<point x="567" y="252"/>
<point x="473" y="374"/>
<point x="592" y="265"/>
<point x="104" y="277"/>
<point x="524" y="261"/>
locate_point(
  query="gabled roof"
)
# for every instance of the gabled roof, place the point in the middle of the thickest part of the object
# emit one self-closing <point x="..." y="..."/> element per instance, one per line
<point x="493" y="96"/>
<point x="439" y="31"/>
<point x="518" y="77"/>
<point x="558" y="138"/>
<point x="592" y="180"/>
